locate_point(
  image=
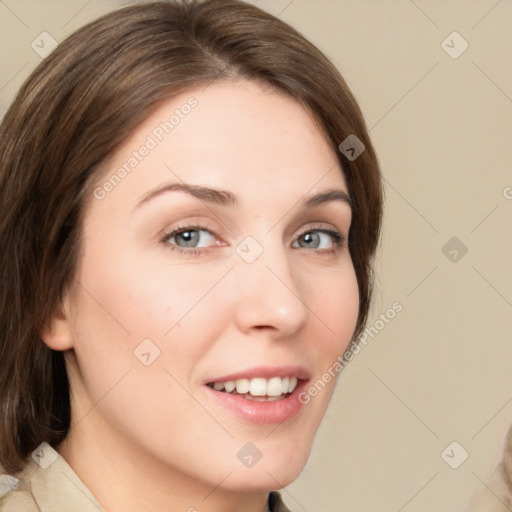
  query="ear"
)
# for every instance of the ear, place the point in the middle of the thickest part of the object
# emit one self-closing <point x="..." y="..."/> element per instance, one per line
<point x="58" y="334"/>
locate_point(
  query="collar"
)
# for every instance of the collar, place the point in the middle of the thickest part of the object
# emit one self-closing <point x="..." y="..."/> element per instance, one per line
<point x="50" y="484"/>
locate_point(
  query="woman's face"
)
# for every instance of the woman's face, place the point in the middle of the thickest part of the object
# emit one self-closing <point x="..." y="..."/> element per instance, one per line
<point x="181" y="296"/>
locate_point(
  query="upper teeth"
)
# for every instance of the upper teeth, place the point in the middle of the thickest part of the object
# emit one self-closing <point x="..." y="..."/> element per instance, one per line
<point x="259" y="386"/>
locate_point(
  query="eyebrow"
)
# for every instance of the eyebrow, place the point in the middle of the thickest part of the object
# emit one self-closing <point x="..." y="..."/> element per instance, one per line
<point x="226" y="198"/>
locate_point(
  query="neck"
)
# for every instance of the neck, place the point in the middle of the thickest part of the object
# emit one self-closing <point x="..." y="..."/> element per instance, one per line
<point x="123" y="481"/>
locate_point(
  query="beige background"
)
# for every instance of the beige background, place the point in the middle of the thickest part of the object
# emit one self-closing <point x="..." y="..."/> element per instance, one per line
<point x="440" y="371"/>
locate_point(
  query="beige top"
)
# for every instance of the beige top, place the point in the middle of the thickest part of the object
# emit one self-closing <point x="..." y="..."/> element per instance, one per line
<point x="496" y="494"/>
<point x="48" y="484"/>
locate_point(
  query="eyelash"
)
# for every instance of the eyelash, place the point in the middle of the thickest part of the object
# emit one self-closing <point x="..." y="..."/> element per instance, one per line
<point x="339" y="239"/>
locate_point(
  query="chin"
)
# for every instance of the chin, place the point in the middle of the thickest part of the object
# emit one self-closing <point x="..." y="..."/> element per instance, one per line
<point x="262" y="481"/>
<point x="273" y="474"/>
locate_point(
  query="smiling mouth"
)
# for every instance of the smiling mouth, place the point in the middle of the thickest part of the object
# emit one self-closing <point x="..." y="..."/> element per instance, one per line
<point x="258" y="389"/>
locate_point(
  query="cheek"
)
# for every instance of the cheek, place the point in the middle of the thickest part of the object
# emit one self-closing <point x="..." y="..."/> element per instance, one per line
<point x="336" y="306"/>
<point x="143" y="326"/>
<point x="129" y="309"/>
<point x="149" y="297"/>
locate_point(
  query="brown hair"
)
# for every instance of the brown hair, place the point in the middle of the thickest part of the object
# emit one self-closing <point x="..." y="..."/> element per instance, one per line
<point x="72" y="113"/>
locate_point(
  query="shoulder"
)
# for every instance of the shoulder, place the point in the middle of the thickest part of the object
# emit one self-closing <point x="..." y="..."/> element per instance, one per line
<point x="15" y="492"/>
<point x="46" y="483"/>
<point x="17" y="501"/>
<point x="496" y="494"/>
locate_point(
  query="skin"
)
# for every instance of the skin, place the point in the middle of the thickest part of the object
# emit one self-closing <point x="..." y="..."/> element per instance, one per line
<point x="149" y="437"/>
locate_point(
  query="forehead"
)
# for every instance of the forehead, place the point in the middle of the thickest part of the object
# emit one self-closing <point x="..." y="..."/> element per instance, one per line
<point x="240" y="136"/>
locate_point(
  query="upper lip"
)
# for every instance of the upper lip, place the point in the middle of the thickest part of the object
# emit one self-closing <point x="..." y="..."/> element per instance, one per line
<point x="265" y="372"/>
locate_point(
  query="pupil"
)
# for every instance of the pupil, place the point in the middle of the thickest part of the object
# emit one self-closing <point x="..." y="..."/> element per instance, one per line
<point x="310" y="237"/>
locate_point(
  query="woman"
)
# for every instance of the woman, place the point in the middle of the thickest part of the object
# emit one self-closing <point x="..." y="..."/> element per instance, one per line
<point x="190" y="207"/>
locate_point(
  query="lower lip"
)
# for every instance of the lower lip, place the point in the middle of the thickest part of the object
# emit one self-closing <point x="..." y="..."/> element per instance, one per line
<point x="264" y="413"/>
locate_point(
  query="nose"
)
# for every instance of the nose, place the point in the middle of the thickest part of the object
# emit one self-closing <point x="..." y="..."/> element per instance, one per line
<point x="269" y="295"/>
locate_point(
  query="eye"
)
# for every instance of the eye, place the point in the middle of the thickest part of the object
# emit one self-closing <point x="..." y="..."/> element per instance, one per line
<point x="192" y="237"/>
<point x="195" y="240"/>
<point x="321" y="239"/>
